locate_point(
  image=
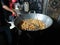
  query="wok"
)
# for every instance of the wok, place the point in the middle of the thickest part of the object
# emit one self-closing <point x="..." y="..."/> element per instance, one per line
<point x="46" y="19"/>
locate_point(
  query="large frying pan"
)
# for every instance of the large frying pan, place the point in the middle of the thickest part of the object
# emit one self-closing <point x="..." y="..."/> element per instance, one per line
<point x="46" y="19"/>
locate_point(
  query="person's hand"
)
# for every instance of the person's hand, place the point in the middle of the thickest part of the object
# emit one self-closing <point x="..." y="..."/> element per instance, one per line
<point x="14" y="13"/>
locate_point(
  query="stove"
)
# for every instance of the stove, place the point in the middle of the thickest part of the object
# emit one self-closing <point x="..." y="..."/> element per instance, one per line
<point x="44" y="37"/>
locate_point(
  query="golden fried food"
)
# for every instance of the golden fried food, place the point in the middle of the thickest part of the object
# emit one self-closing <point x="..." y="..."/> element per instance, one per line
<point x="28" y="24"/>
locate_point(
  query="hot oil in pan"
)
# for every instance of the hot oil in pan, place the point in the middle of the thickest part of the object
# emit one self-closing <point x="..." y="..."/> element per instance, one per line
<point x="29" y="24"/>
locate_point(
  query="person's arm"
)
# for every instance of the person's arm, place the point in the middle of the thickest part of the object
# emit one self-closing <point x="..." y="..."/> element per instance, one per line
<point x="8" y="9"/>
